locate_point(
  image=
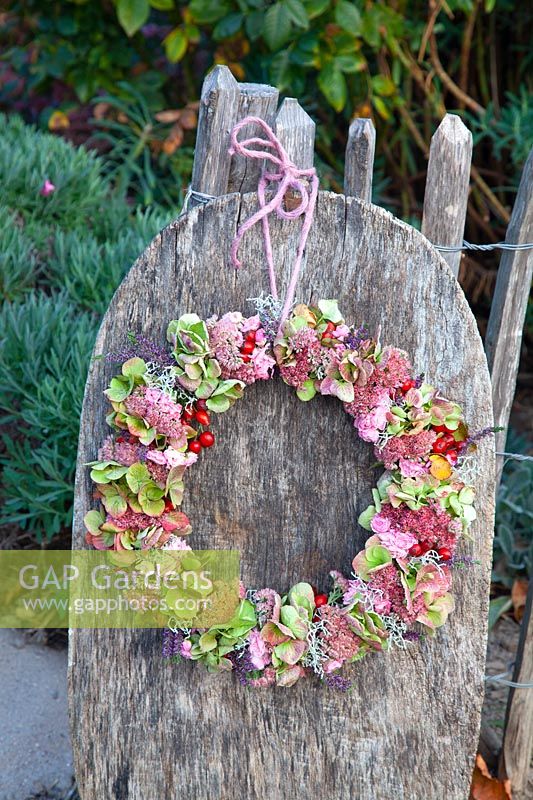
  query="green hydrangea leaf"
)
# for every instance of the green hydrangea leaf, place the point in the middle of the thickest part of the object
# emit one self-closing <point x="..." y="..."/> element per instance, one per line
<point x="290" y="652"/>
<point x="366" y="517"/>
<point x="137" y="476"/>
<point x="301" y="595"/>
<point x="291" y="618"/>
<point x="330" y="310"/>
<point x="134" y="368"/>
<point x="307" y="391"/>
<point x="93" y="520"/>
<point x="119" y="389"/>
<point x="207" y="642"/>
<point x="218" y="404"/>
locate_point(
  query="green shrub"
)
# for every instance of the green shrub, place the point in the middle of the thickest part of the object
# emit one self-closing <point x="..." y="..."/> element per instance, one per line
<point x="45" y="349"/>
<point x="62" y="257"/>
<point x="89" y="270"/>
<point x="18" y="269"/>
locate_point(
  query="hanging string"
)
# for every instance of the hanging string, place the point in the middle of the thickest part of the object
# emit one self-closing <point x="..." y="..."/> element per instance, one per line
<point x="287" y="176"/>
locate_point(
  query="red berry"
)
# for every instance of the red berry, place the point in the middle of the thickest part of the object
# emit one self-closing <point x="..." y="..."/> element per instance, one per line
<point x="452" y="455"/>
<point x="425" y="547"/>
<point x="203" y="418"/>
<point x="444" y="553"/>
<point x="120" y="439"/>
<point x="416" y="550"/>
<point x="321" y="600"/>
<point x="410" y="384"/>
<point x="206" y="439"/>
<point x="195" y="446"/>
<point x="250" y="336"/>
<point x="448" y="438"/>
<point x="169" y="505"/>
<point x="246" y="359"/>
<point x="248" y="348"/>
<point x="201" y="405"/>
<point x="330" y="327"/>
<point x="439" y="446"/>
<point x="188" y="414"/>
<point x="439" y="428"/>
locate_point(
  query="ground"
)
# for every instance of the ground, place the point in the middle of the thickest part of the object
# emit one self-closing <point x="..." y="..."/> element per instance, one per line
<point x="35" y="754"/>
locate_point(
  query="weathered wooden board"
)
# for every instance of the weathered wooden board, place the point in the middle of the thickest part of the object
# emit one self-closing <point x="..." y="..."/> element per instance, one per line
<point x="447" y="183"/>
<point x="284" y="485"/>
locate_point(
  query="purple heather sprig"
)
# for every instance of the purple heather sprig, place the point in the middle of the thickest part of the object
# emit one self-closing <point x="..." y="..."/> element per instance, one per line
<point x="141" y="347"/>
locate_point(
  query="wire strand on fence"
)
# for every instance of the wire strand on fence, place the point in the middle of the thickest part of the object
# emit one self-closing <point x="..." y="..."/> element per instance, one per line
<point x="515" y="456"/>
<point x="483" y="247"/>
<point x="200" y="198"/>
<point x="501" y="678"/>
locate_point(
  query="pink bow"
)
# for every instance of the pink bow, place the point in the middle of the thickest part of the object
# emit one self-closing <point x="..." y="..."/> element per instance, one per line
<point x="287" y="176"/>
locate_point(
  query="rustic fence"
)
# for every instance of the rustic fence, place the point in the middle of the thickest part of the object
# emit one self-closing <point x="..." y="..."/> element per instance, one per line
<point x="409" y="730"/>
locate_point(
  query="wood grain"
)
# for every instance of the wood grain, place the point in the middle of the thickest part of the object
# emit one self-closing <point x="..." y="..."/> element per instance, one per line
<point x="255" y="100"/>
<point x="219" y="104"/>
<point x="296" y="131"/>
<point x="359" y="162"/>
<point x="508" y="310"/>
<point x="284" y="485"/>
<point x="447" y="182"/>
<point x="517" y="748"/>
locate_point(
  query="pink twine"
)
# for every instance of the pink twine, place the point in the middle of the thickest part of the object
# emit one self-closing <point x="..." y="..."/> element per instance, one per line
<point x="287" y="176"/>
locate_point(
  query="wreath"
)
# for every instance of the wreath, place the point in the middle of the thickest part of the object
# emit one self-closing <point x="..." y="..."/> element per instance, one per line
<point x="162" y="406"/>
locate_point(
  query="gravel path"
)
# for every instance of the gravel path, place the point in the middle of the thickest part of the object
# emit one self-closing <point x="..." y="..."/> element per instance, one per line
<point x="35" y="753"/>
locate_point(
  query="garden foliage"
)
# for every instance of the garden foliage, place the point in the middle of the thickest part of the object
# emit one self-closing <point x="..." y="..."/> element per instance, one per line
<point x="61" y="257"/>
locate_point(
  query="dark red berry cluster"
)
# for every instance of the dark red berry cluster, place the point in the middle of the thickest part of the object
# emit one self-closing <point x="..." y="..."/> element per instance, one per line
<point x="248" y="347"/>
<point x="198" y="413"/>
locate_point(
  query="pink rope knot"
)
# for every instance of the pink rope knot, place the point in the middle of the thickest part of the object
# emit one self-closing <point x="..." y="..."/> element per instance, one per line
<point x="288" y="176"/>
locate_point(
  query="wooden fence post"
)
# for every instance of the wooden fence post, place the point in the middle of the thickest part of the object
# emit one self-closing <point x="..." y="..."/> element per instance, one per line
<point x="359" y="163"/>
<point x="508" y="309"/>
<point x="518" y="732"/>
<point x="446" y="195"/>
<point x="255" y="100"/>
<point x="219" y="106"/>
<point x="296" y="131"/>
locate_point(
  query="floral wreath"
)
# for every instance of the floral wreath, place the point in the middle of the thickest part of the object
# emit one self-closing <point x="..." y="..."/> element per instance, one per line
<point x="162" y="405"/>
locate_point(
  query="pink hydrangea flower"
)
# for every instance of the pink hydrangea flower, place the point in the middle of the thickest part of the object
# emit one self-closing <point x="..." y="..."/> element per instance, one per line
<point x="175" y="458"/>
<point x="369" y="425"/>
<point x="380" y="523"/>
<point x="176" y="543"/>
<point x="331" y="666"/>
<point x="157" y="457"/>
<point x="185" y="649"/>
<point x="411" y="469"/>
<point x="397" y="542"/>
<point x="259" y="652"/>
<point x="431" y="525"/>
